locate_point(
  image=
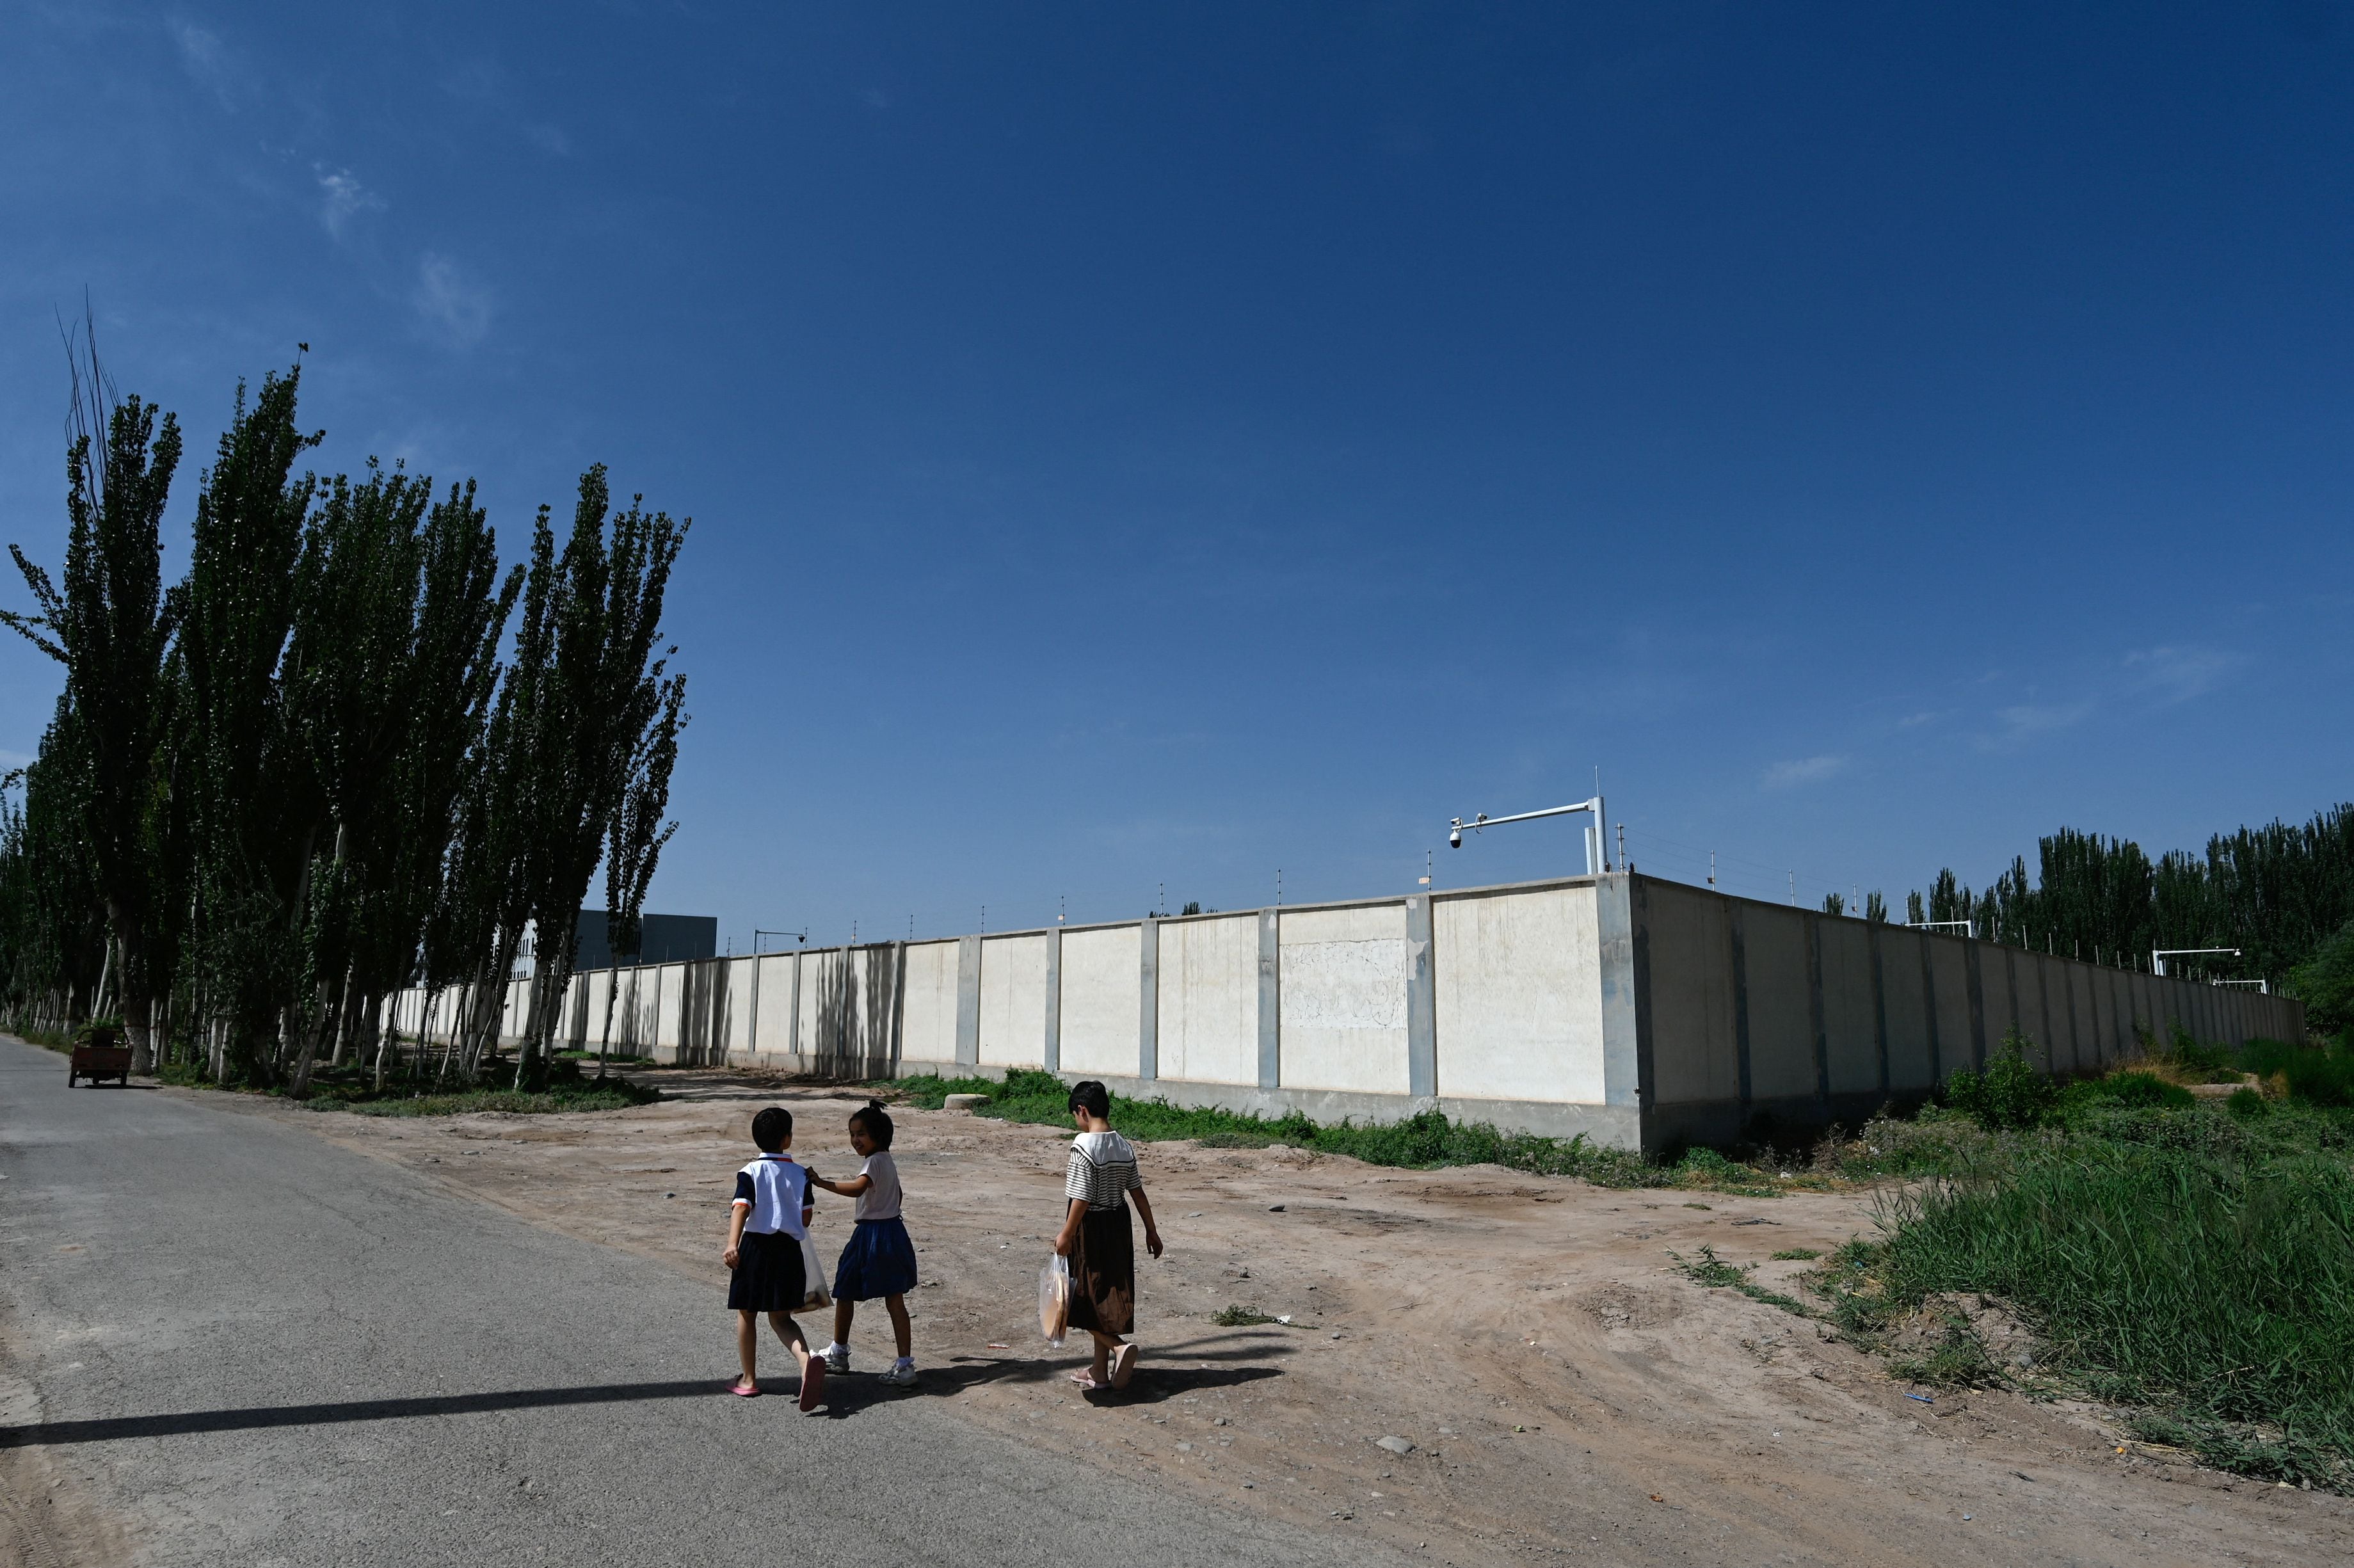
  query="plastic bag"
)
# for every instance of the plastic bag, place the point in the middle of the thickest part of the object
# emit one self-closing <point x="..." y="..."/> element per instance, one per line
<point x="813" y="1294"/>
<point x="1054" y="1300"/>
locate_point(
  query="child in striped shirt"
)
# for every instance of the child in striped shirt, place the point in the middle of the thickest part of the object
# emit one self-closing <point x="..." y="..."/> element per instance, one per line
<point x="1100" y="1238"/>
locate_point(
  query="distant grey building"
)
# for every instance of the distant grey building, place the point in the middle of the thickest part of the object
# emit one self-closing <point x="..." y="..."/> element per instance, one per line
<point x="663" y="939"/>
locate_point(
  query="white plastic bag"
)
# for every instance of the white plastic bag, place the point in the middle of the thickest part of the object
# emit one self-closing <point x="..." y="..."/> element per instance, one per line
<point x="813" y="1291"/>
<point x="1054" y="1300"/>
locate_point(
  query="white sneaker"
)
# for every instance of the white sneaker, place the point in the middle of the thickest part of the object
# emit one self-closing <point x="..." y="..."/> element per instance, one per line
<point x="899" y="1376"/>
<point x="836" y="1358"/>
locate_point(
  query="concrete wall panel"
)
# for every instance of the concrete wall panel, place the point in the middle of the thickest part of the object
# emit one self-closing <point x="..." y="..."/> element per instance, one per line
<point x="735" y="1036"/>
<point x="768" y="1022"/>
<point x="1695" y="1050"/>
<point x="1781" y="1004"/>
<point x="1519" y="1002"/>
<point x="670" y="1007"/>
<point x="1905" y="1004"/>
<point x="927" y="1014"/>
<point x="1949" y="974"/>
<point x="1997" y="978"/>
<point x="1208" y="1013"/>
<point x="1102" y="993"/>
<point x="1342" y="991"/>
<point x="1850" y="1024"/>
<point x="1013" y="1002"/>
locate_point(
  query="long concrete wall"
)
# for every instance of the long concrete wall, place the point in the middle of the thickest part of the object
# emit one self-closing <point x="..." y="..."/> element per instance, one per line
<point x="1763" y="1016"/>
<point x="1638" y="1011"/>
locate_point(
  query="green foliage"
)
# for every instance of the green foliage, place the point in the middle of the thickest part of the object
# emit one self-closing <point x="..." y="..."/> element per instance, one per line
<point x="2213" y="1285"/>
<point x="102" y="1032"/>
<point x="2276" y="893"/>
<point x="2011" y="1093"/>
<point x="1426" y="1140"/>
<point x="1239" y="1318"/>
<point x="2133" y="1090"/>
<point x="1714" y="1273"/>
<point x="301" y="779"/>
<point x="2315" y="1074"/>
<point x="1796" y="1254"/>
<point x="2325" y="982"/>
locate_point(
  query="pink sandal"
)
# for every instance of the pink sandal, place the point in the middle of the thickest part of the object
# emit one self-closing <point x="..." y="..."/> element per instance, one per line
<point x="1088" y="1381"/>
<point x="813" y="1383"/>
<point x="744" y="1388"/>
<point x="1123" y="1365"/>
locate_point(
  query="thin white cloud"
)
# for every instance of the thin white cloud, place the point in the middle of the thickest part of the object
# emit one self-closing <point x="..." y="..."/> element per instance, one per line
<point x="452" y="304"/>
<point x="2179" y="674"/>
<point x="549" y="139"/>
<point x="206" y="60"/>
<point x="2024" y="722"/>
<point x="1803" y="770"/>
<point x="344" y="199"/>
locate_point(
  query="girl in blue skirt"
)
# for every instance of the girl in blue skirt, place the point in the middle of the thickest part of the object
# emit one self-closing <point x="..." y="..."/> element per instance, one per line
<point x="879" y="1259"/>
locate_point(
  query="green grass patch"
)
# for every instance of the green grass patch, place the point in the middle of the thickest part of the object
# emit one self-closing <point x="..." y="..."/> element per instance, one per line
<point x="1425" y="1140"/>
<point x="2205" y="1276"/>
<point x="1797" y="1254"/>
<point x="1239" y="1318"/>
<point x="351" y="1088"/>
<point x="1714" y="1273"/>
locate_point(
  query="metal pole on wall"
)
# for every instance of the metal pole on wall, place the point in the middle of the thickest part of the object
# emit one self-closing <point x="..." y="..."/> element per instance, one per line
<point x="1598" y="856"/>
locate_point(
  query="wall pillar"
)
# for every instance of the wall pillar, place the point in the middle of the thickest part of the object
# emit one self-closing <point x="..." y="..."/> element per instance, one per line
<point x="1270" y="999"/>
<point x="1051" y="1054"/>
<point x="1622" y="1064"/>
<point x="1421" y="1002"/>
<point x="1147" y="1022"/>
<point x="967" y="1036"/>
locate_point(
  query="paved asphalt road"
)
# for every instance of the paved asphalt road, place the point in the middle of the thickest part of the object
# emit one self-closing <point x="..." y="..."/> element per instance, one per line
<point x="265" y="1350"/>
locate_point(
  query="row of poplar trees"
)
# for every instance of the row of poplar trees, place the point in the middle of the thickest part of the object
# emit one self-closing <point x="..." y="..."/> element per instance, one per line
<point x="344" y="755"/>
<point x="2265" y="900"/>
<point x="2277" y="894"/>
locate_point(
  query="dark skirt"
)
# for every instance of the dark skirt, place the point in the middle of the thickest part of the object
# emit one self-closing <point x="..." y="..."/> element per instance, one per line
<point x="768" y="1277"/>
<point x="1103" y="1273"/>
<point x="878" y="1260"/>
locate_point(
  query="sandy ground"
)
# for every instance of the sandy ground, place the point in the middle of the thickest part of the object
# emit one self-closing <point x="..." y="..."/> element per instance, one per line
<point x="1568" y="1393"/>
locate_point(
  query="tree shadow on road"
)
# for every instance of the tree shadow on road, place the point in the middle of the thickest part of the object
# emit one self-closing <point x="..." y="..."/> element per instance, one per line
<point x="51" y="1434"/>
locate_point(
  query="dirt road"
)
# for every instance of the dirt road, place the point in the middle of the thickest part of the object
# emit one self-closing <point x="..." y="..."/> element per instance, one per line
<point x="1566" y="1392"/>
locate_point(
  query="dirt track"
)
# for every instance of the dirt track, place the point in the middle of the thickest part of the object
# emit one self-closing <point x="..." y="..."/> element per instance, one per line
<point x="1568" y="1393"/>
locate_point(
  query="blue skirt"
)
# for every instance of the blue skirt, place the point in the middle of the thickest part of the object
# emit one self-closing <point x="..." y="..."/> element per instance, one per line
<point x="878" y="1261"/>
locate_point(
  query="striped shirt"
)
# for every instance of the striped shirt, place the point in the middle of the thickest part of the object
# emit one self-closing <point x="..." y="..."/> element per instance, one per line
<point x="1102" y="1171"/>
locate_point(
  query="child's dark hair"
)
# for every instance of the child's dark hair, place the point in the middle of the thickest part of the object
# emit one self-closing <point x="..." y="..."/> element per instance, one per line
<point x="771" y="1127"/>
<point x="1088" y="1095"/>
<point x="876" y="1120"/>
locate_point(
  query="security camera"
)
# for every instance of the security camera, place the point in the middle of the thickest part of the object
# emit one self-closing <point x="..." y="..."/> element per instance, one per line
<point x="1454" y="838"/>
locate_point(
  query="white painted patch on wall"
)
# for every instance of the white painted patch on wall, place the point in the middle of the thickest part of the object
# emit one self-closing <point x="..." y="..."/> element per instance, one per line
<point x="1344" y="985"/>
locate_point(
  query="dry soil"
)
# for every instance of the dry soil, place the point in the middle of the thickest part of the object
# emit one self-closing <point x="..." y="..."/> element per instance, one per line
<point x="1567" y="1392"/>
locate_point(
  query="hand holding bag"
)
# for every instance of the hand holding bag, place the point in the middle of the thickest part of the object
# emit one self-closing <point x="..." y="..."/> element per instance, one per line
<point x="1054" y="1300"/>
<point x="813" y="1280"/>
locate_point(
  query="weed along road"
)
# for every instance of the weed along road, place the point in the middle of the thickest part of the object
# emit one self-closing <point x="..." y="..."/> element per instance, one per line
<point x="229" y="1341"/>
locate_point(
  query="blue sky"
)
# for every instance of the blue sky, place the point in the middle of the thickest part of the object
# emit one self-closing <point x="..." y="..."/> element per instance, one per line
<point x="1136" y="446"/>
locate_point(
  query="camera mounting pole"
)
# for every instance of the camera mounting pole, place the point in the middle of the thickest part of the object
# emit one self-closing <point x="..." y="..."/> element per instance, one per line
<point x="1598" y="846"/>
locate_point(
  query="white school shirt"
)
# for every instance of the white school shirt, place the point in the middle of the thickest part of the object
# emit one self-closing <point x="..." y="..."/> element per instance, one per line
<point x="776" y="1191"/>
<point x="881" y="1200"/>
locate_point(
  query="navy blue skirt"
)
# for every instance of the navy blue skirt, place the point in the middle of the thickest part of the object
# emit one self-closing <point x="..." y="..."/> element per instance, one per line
<point x="878" y="1261"/>
<point x="768" y="1276"/>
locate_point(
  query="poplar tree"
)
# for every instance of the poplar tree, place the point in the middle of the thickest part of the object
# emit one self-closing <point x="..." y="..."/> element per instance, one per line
<point x="105" y="625"/>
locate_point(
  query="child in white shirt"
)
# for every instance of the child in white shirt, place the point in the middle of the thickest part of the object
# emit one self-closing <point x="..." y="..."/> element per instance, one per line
<point x="767" y="1221"/>
<point x="880" y="1259"/>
